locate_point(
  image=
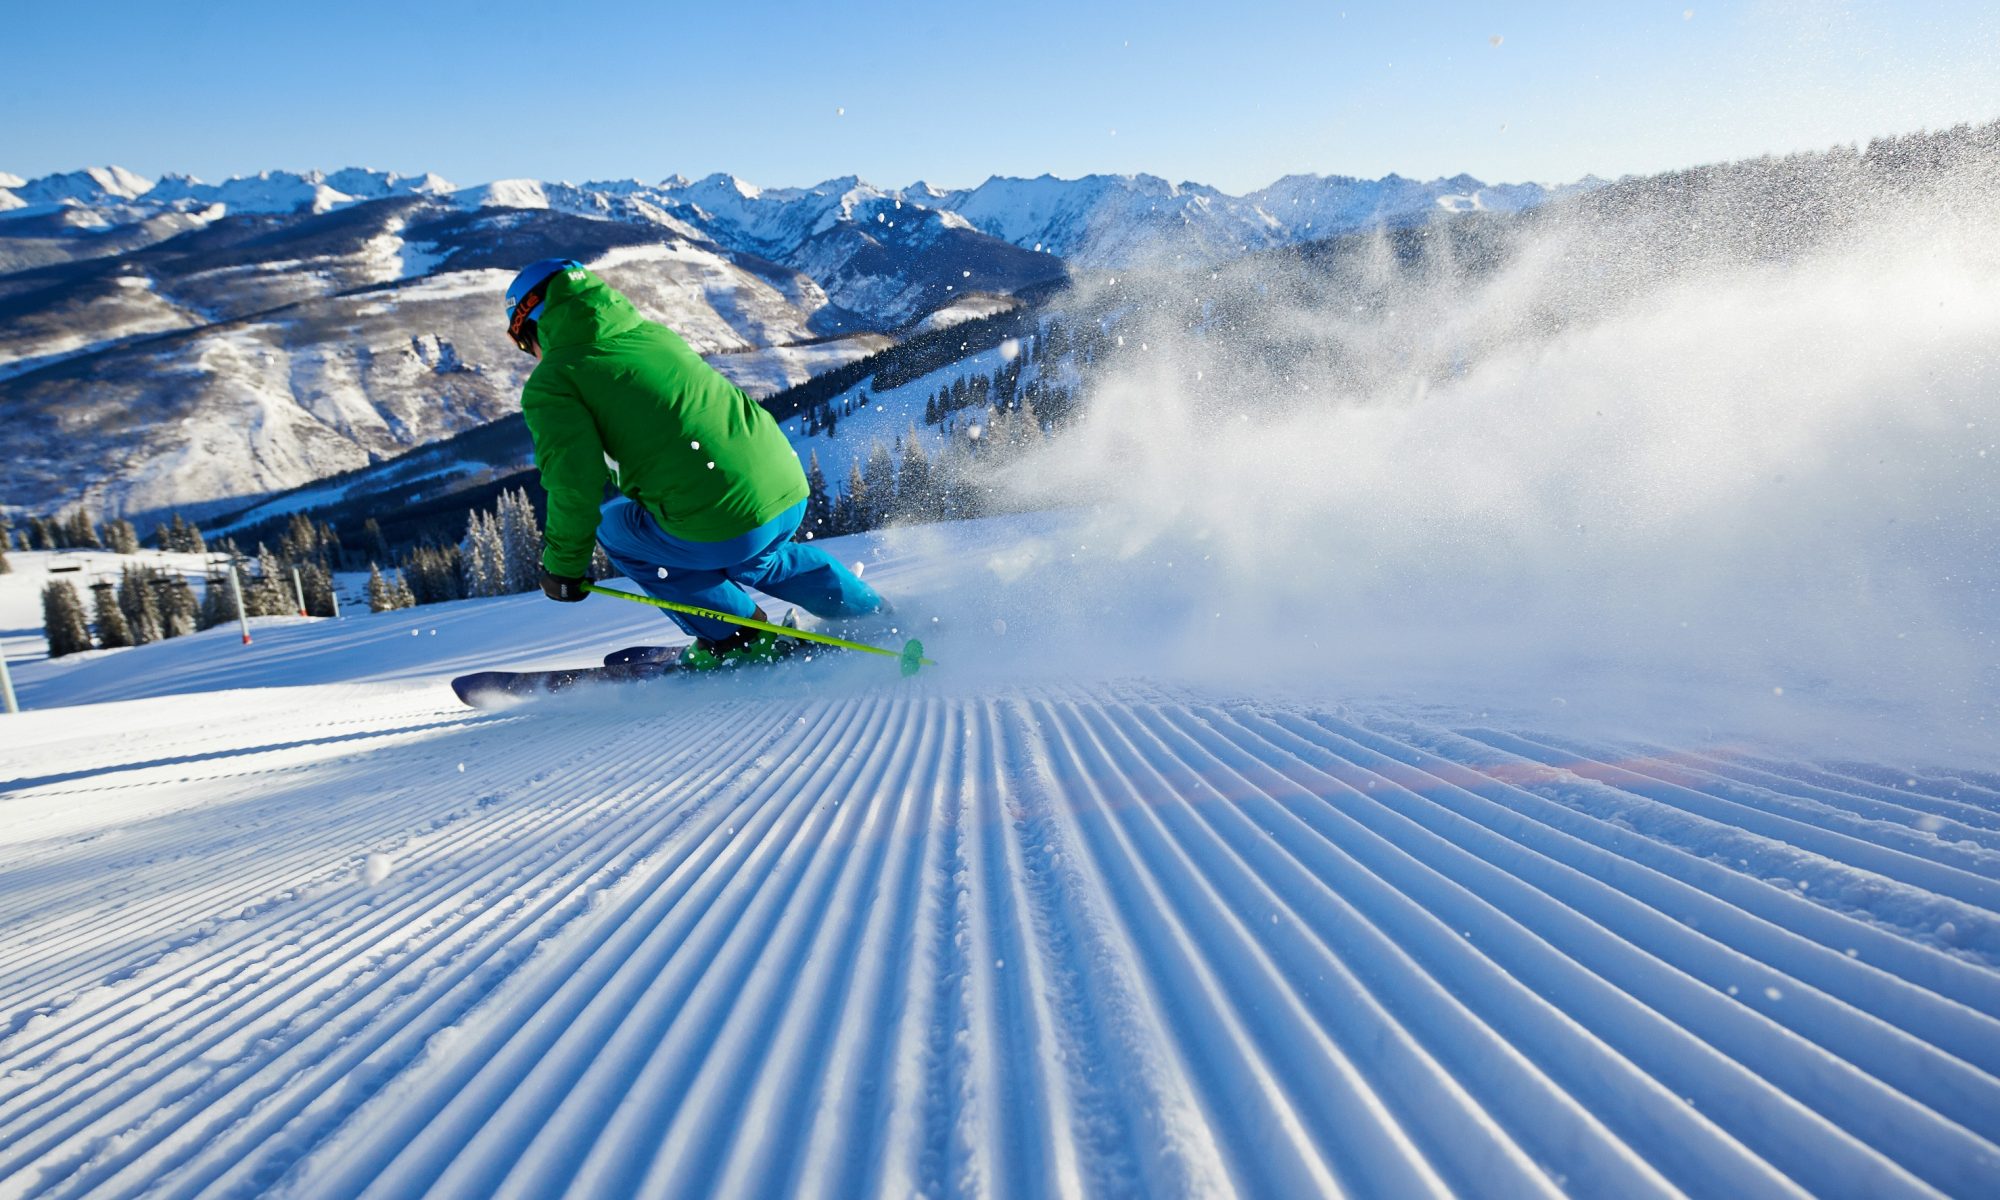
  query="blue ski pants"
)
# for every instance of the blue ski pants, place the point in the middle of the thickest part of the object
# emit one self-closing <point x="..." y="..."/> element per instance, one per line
<point x="713" y="575"/>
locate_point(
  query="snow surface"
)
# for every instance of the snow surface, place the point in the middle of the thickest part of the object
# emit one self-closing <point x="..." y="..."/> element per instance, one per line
<point x="1054" y="917"/>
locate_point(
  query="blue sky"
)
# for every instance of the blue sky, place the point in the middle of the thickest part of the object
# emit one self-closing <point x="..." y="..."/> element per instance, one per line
<point x="1230" y="93"/>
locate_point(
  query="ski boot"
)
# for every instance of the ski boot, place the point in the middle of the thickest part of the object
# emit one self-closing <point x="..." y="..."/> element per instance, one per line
<point x="741" y="648"/>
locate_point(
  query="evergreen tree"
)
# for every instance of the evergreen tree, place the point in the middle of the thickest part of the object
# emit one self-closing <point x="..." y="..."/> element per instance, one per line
<point x="521" y="538"/>
<point x="271" y="593"/>
<point x="112" y="629"/>
<point x="300" y="541"/>
<point x="950" y="496"/>
<point x="123" y="537"/>
<point x="136" y="599"/>
<point x="483" y="556"/>
<point x="83" y="534"/>
<point x="45" y="533"/>
<point x="913" y="481"/>
<point x="218" y="599"/>
<point x="318" y="583"/>
<point x="217" y="605"/>
<point x="401" y="593"/>
<point x="6" y="567"/>
<point x="818" y="520"/>
<point x="880" y="492"/>
<point x="184" y="538"/>
<point x="930" y="410"/>
<point x="380" y="598"/>
<point x="434" y="574"/>
<point x="850" y="511"/>
<point x="63" y="619"/>
<point x="178" y="611"/>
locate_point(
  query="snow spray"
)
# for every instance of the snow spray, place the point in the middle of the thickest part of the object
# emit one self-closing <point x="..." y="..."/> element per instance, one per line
<point x="1700" y="454"/>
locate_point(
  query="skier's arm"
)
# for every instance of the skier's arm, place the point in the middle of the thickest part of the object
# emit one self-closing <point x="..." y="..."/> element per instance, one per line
<point x="570" y="455"/>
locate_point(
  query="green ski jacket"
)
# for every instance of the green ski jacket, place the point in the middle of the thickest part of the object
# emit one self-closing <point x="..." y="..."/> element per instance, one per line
<point x="619" y="397"/>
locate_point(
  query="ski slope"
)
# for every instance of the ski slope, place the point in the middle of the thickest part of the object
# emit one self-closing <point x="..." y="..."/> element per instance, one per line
<point x="287" y="920"/>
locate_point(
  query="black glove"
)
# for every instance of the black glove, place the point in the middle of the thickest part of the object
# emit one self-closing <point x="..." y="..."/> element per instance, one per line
<point x="566" y="588"/>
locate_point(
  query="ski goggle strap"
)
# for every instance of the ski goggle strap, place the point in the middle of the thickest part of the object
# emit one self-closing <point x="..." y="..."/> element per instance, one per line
<point x="518" y="325"/>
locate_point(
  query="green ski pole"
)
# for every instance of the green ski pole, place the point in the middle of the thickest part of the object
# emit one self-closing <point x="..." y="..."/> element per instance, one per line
<point x="911" y="656"/>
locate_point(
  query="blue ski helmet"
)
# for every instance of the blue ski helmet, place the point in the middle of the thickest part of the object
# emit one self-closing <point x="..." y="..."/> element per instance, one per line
<point x="524" y="297"/>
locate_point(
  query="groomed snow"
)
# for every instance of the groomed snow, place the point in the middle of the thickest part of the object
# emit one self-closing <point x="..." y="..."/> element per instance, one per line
<point x="286" y="920"/>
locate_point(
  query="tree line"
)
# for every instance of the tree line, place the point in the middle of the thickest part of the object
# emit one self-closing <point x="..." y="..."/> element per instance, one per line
<point x="148" y="603"/>
<point x="500" y="555"/>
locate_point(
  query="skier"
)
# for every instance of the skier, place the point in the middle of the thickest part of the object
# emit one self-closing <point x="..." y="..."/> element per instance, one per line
<point x="710" y="491"/>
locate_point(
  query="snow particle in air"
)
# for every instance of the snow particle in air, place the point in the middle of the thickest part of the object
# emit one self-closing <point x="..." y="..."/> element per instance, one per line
<point x="695" y="445"/>
<point x="662" y="571"/>
<point x="1773" y="994"/>
<point x="1777" y="691"/>
<point x="711" y="464"/>
<point x="375" y="868"/>
<point x="999" y="627"/>
<point x="1495" y="41"/>
<point x="461" y="768"/>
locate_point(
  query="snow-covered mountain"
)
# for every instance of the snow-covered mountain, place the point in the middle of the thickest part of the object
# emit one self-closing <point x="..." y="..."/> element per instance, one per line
<point x="279" y="327"/>
<point x="1097" y="220"/>
<point x="288" y="191"/>
<point x="1125" y="220"/>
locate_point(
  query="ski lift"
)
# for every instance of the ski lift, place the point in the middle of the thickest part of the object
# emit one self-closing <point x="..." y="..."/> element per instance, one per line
<point x="65" y="565"/>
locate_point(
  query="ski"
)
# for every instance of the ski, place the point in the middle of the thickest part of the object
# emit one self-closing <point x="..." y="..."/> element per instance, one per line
<point x="496" y="689"/>
<point x="643" y="656"/>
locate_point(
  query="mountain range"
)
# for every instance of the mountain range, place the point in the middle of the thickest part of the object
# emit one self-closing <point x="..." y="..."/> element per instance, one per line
<point x="176" y="344"/>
